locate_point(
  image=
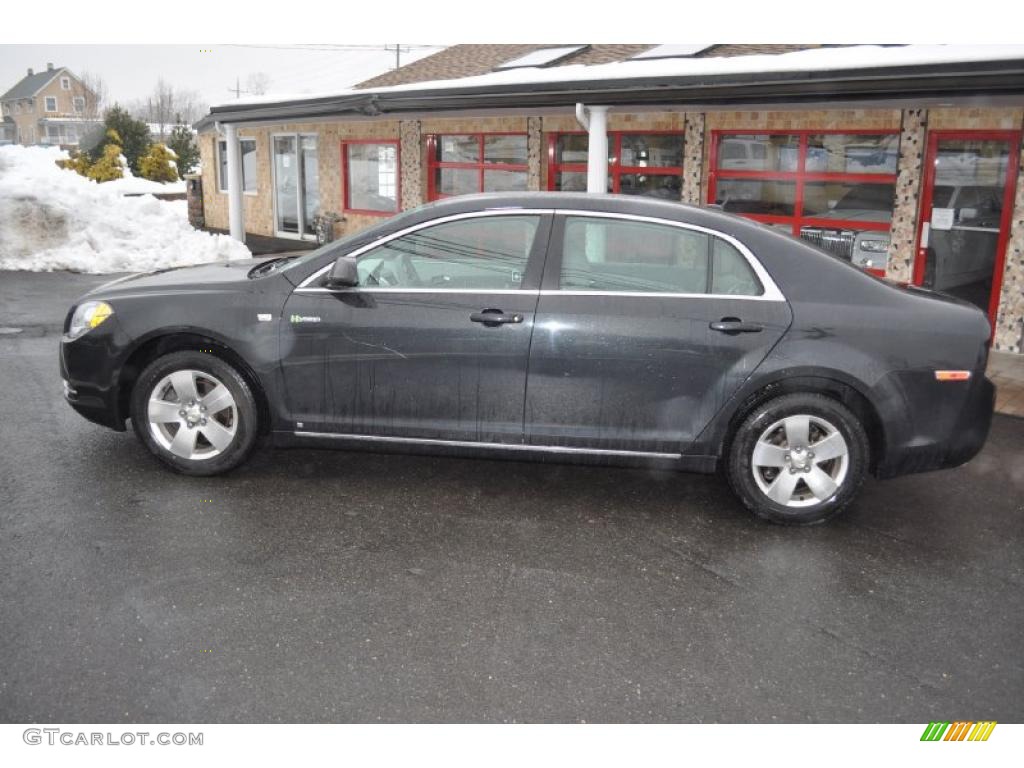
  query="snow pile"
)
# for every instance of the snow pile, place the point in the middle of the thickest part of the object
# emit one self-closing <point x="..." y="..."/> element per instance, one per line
<point x="52" y="218"/>
<point x="130" y="184"/>
<point x="135" y="185"/>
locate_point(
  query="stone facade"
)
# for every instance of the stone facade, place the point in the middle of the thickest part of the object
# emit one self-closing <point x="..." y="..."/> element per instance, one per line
<point x="696" y="128"/>
<point x="975" y="118"/>
<point x="534" y="153"/>
<point x="908" y="187"/>
<point x="693" y="155"/>
<point x="411" y="164"/>
<point x="194" y="196"/>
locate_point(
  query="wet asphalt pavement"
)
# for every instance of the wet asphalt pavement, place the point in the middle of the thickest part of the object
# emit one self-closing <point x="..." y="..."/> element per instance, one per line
<point x="328" y="586"/>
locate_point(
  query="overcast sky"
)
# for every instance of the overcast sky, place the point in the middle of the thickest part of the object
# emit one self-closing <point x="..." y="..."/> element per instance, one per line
<point x="131" y="71"/>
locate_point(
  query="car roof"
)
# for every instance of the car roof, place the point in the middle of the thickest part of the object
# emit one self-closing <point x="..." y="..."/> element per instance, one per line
<point x="580" y="201"/>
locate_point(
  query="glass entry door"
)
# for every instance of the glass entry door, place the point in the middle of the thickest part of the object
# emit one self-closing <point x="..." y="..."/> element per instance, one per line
<point x="296" y="185"/>
<point x="966" y="206"/>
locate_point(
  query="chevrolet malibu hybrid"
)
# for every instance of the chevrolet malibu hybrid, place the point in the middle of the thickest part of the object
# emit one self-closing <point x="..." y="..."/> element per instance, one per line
<point x="582" y="328"/>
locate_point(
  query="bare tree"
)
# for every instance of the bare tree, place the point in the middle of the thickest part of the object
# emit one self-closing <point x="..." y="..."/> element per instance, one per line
<point x="168" y="106"/>
<point x="160" y="108"/>
<point x="257" y="83"/>
<point x="189" y="106"/>
<point x="92" y="89"/>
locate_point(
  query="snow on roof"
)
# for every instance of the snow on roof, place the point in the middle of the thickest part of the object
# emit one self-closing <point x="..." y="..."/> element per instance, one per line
<point x="816" y="59"/>
<point x="672" y="51"/>
<point x="540" y="57"/>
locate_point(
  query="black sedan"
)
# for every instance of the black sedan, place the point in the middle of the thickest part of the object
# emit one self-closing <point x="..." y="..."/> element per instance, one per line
<point x="583" y="328"/>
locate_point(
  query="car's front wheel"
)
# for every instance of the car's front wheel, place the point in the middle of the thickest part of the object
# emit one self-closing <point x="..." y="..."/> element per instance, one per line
<point x="798" y="459"/>
<point x="194" y="412"/>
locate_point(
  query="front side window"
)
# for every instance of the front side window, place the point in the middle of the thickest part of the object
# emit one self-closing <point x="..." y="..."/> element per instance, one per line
<point x="51" y="103"/>
<point x="247" y="149"/>
<point x="647" y="164"/>
<point x="371" y="176"/>
<point x="622" y="256"/>
<point x="463" y="164"/>
<point x="79" y="104"/>
<point x="485" y="253"/>
<point x="834" y="189"/>
<point x="65" y="83"/>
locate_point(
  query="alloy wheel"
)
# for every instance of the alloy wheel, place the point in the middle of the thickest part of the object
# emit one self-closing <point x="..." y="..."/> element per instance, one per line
<point x="800" y="460"/>
<point x="192" y="414"/>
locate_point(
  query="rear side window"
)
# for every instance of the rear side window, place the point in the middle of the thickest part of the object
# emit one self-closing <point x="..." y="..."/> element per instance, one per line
<point x="731" y="274"/>
<point x="487" y="253"/>
<point x="624" y="256"/>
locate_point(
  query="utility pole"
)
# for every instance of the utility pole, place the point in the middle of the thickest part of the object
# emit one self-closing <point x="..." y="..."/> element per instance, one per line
<point x="237" y="90"/>
<point x="398" y="53"/>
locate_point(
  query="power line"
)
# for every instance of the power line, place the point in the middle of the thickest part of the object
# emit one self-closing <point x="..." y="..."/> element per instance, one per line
<point x="316" y="71"/>
<point x="331" y="48"/>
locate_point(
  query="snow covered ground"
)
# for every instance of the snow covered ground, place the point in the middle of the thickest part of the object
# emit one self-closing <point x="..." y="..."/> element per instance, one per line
<point x="134" y="185"/>
<point x="53" y="219"/>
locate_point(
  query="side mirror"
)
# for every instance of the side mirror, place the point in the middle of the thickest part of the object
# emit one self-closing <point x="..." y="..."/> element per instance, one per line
<point x="343" y="274"/>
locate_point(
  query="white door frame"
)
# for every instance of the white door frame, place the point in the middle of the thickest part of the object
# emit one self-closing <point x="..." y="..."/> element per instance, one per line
<point x="300" y="201"/>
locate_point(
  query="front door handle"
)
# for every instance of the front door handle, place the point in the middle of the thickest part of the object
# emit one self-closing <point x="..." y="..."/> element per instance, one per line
<point x="492" y="318"/>
<point x="733" y="326"/>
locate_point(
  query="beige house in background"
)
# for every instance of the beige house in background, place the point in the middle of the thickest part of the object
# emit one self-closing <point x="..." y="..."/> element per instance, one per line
<point x="50" y="107"/>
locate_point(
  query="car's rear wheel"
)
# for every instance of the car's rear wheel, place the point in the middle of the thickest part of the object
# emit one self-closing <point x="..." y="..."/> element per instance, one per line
<point x="798" y="459"/>
<point x="195" y="413"/>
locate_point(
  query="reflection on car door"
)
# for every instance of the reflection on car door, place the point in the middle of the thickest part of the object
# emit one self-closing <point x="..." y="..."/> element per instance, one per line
<point x="643" y="330"/>
<point x="433" y="342"/>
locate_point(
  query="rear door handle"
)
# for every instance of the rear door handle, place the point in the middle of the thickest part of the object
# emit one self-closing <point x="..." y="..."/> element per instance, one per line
<point x="495" y="317"/>
<point x="733" y="326"/>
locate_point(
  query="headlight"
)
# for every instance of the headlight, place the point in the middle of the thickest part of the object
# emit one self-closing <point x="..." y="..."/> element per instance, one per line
<point x="87" y="316"/>
<point x="874" y="246"/>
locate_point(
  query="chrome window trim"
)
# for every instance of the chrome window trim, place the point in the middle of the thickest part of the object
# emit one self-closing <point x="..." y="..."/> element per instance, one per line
<point x="771" y="289"/>
<point x="305" y="287"/>
<point x="495" y="446"/>
<point x="656" y="295"/>
<point x="433" y="291"/>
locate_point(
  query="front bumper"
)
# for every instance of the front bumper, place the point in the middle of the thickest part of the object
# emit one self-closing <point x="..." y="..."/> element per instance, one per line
<point x="89" y="372"/>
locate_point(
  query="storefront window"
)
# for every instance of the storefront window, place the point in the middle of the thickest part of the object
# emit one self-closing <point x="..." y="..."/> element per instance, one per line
<point x="846" y="153"/>
<point x="765" y="198"/>
<point x="247" y="149"/>
<point x="648" y="164"/>
<point x="371" y="176"/>
<point x="747" y="152"/>
<point x="462" y="164"/>
<point x="852" y="201"/>
<point x="834" y="189"/>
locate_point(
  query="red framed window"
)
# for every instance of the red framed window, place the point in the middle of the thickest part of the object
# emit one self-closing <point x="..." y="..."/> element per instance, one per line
<point x="646" y="163"/>
<point x="835" y="188"/>
<point x="465" y="163"/>
<point x="371" y="176"/>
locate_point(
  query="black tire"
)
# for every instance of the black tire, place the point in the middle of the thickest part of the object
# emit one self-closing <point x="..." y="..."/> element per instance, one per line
<point x="242" y="418"/>
<point x="822" y="411"/>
